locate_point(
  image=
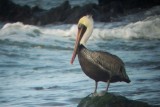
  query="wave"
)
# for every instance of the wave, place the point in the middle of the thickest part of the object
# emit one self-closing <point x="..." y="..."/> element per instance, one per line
<point x="19" y="32"/>
<point x="146" y="29"/>
<point x="22" y="30"/>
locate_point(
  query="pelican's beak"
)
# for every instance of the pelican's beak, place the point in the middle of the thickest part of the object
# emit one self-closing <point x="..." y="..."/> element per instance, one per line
<point x="81" y="30"/>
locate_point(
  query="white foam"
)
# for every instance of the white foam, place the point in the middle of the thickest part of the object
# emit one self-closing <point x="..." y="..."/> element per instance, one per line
<point x="147" y="29"/>
<point x="63" y="30"/>
<point x="17" y="28"/>
<point x="28" y="33"/>
<point x="19" y="32"/>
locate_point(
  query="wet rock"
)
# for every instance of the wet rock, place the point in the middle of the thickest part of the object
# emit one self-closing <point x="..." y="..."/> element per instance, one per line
<point x="11" y="12"/>
<point x="111" y="9"/>
<point x="110" y="100"/>
<point x="105" y="11"/>
<point x="130" y="4"/>
<point x="77" y="12"/>
<point x="54" y="15"/>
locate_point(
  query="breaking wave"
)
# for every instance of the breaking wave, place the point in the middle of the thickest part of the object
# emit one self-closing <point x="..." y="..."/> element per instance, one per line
<point x="146" y="29"/>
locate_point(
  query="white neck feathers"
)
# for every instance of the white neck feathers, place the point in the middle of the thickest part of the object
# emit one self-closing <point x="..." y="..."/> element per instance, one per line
<point x="86" y="35"/>
<point x="88" y="22"/>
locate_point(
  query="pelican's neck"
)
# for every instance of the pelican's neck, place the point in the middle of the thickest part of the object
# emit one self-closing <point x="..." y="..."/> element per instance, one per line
<point x="86" y="35"/>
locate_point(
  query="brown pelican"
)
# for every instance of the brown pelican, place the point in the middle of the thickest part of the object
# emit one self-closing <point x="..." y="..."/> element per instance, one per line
<point x="99" y="66"/>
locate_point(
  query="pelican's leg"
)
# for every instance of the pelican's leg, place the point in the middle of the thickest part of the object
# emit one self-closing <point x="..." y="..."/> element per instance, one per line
<point x="108" y="83"/>
<point x="96" y="84"/>
<point x="95" y="90"/>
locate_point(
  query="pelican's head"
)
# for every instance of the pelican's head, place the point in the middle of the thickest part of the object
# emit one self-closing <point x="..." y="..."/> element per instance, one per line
<point x="85" y="28"/>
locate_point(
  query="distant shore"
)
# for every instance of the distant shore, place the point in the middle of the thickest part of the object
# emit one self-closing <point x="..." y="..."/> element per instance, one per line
<point x="104" y="11"/>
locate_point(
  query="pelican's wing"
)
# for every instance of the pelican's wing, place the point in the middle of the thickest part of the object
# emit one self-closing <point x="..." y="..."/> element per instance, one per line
<point x="107" y="61"/>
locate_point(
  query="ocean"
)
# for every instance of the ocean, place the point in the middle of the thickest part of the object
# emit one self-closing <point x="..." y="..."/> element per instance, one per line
<point x="35" y="69"/>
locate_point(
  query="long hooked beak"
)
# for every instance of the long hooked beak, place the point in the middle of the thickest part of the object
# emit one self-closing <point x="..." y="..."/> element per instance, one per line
<point x="81" y="30"/>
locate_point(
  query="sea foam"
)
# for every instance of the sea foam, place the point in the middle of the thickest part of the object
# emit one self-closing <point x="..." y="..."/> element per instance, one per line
<point x="146" y="29"/>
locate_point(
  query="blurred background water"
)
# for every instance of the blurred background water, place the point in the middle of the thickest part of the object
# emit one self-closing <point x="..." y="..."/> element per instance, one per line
<point x="35" y="69"/>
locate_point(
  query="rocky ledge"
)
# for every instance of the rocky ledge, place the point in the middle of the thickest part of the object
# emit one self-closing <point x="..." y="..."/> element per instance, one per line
<point x="104" y="11"/>
<point x="111" y="100"/>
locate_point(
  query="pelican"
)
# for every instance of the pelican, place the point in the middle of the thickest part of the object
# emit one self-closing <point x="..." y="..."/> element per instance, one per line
<point x="98" y="65"/>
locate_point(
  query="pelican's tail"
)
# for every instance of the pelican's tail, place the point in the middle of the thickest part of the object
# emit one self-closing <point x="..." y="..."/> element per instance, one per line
<point x="127" y="80"/>
<point x="125" y="76"/>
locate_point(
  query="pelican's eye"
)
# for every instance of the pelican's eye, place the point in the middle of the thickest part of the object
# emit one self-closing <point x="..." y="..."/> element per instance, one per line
<point x="81" y="26"/>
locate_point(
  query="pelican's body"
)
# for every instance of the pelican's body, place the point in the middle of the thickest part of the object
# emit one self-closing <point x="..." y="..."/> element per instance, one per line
<point x="100" y="66"/>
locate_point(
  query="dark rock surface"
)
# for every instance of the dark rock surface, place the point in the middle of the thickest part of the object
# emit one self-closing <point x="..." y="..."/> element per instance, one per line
<point x="111" y="100"/>
<point x="10" y="12"/>
<point x="105" y="11"/>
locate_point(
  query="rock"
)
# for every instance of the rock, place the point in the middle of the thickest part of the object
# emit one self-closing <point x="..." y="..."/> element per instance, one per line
<point x="130" y="4"/>
<point x="111" y="9"/>
<point x="54" y="15"/>
<point x="105" y="2"/>
<point x="110" y="100"/>
<point x="105" y="11"/>
<point x="77" y="12"/>
<point x="12" y="12"/>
